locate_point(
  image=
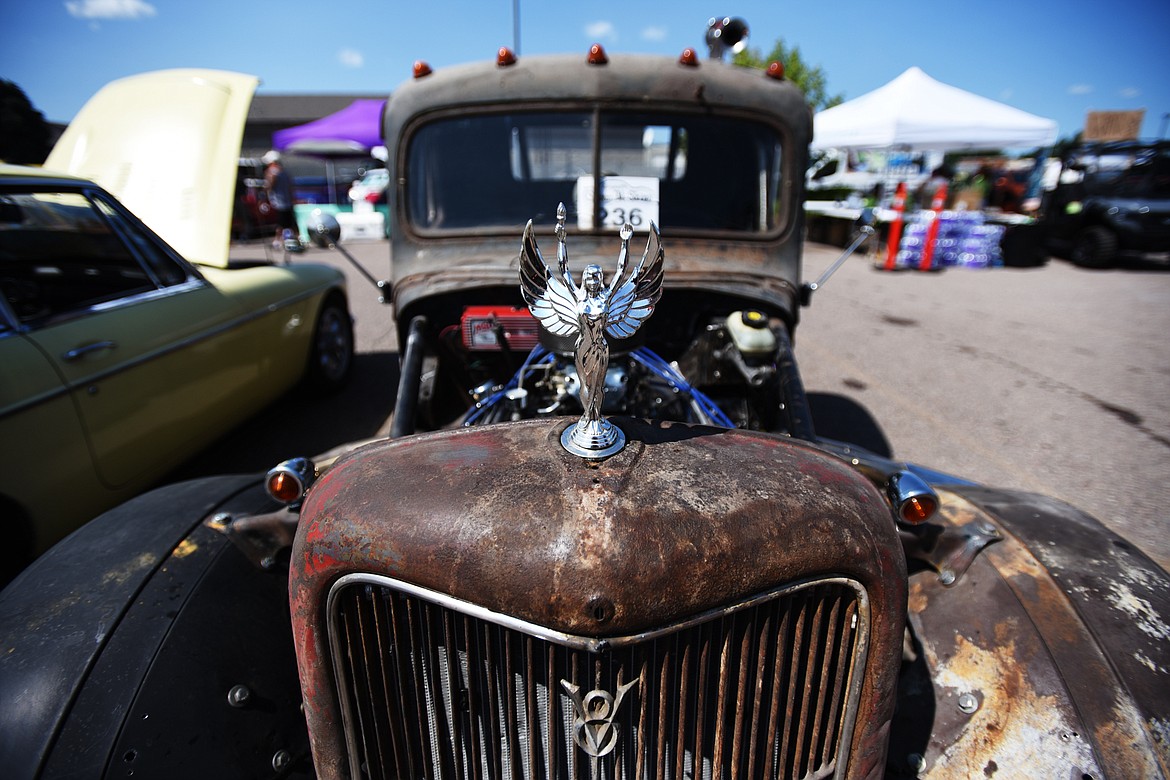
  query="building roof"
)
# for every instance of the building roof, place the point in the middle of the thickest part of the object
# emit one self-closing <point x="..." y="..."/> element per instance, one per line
<point x="292" y="109"/>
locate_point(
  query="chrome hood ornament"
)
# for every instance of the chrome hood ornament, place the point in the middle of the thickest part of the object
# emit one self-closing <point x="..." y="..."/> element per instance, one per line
<point x="589" y="312"/>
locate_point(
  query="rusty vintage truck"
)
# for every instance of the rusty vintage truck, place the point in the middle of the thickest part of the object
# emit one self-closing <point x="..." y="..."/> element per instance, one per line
<point x="714" y="590"/>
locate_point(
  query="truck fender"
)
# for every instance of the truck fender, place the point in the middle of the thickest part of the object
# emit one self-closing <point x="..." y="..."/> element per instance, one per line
<point x="146" y="643"/>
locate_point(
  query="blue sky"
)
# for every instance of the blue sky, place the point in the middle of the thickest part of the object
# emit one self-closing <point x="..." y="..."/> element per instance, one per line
<point x="1054" y="58"/>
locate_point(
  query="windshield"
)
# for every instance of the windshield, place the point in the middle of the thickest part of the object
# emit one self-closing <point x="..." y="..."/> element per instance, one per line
<point x="681" y="171"/>
<point x="1129" y="172"/>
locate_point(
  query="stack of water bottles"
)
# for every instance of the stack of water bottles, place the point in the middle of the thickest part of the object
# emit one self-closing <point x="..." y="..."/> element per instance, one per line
<point x="963" y="240"/>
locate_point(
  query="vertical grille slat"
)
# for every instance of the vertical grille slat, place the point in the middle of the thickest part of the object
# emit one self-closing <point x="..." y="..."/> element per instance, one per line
<point x="435" y="688"/>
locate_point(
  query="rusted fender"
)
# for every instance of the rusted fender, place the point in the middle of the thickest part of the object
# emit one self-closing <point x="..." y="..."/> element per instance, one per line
<point x="684" y="520"/>
<point x="1048" y="657"/>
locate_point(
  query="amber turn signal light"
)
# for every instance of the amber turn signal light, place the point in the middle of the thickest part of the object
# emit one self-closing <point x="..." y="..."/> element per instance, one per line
<point x="288" y="482"/>
<point x="918" y="509"/>
<point x="912" y="499"/>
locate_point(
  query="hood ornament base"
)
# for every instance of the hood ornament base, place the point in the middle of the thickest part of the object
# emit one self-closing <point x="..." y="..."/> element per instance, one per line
<point x="593" y="439"/>
<point x="590" y="311"/>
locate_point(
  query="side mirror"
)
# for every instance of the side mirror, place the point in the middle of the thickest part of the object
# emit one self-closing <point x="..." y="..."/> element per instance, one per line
<point x="727" y="34"/>
<point x="865" y="229"/>
<point x="324" y="230"/>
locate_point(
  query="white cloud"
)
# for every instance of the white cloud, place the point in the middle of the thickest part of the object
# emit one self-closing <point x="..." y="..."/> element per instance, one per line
<point x="1080" y="89"/>
<point x="351" y="58"/>
<point x="654" y="34"/>
<point x="1130" y="92"/>
<point x="597" y="31"/>
<point x="110" y="9"/>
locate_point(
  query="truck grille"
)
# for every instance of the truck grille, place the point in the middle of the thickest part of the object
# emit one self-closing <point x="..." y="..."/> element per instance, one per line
<point x="432" y="687"/>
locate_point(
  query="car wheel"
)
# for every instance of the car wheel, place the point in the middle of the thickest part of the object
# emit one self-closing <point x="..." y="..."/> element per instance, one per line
<point x="1095" y="247"/>
<point x="331" y="358"/>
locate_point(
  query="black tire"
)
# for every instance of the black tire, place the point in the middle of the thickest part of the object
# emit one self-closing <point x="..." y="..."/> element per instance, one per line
<point x="331" y="357"/>
<point x="1094" y="247"/>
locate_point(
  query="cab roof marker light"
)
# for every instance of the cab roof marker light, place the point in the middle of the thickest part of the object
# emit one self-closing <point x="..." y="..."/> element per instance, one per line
<point x="505" y="57"/>
<point x="597" y="55"/>
<point x="421" y="69"/>
<point x="775" y="70"/>
<point x="689" y="58"/>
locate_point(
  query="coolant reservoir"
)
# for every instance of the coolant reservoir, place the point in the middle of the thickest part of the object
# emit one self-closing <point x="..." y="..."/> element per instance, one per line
<point x="751" y="334"/>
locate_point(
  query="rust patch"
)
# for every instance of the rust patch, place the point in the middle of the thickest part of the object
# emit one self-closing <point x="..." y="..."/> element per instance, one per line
<point x="185" y="548"/>
<point x="1015" y="726"/>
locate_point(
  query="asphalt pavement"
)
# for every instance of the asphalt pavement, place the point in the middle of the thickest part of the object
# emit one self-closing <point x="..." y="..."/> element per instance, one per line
<point x="1049" y="379"/>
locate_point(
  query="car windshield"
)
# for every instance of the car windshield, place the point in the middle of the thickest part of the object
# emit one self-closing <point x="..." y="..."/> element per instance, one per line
<point x="682" y="171"/>
<point x="1130" y="172"/>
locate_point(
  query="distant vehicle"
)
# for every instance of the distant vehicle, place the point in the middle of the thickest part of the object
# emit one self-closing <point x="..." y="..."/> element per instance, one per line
<point x="841" y="170"/>
<point x="118" y="359"/>
<point x="371" y="187"/>
<point x="1108" y="200"/>
<point x="252" y="214"/>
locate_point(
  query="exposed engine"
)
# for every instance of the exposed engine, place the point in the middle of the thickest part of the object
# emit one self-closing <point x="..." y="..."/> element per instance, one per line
<point x="725" y="377"/>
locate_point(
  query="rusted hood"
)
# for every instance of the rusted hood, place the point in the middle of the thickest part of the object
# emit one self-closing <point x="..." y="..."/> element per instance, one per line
<point x="685" y="519"/>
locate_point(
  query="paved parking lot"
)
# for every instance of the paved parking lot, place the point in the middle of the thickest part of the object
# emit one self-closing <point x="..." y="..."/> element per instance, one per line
<point x="1051" y="379"/>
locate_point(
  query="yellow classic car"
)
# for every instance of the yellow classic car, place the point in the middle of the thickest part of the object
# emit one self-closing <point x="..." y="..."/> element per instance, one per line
<point x="119" y="359"/>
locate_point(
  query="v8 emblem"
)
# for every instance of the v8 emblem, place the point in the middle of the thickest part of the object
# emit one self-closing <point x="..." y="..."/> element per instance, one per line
<point x="593" y="728"/>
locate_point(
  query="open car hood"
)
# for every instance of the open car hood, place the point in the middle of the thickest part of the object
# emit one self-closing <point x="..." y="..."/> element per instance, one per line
<point x="167" y="144"/>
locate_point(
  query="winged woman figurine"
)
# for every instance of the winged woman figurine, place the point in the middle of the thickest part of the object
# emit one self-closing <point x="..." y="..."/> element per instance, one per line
<point x="590" y="311"/>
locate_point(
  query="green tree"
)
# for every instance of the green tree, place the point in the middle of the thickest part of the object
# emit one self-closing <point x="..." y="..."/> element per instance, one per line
<point x="24" y="133"/>
<point x="810" y="79"/>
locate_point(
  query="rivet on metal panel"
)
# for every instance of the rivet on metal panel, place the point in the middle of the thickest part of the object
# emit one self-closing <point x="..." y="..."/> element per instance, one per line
<point x="916" y="761"/>
<point x="281" y="759"/>
<point x="968" y="704"/>
<point x="238" y="696"/>
<point x="221" y="520"/>
<point x="946" y="577"/>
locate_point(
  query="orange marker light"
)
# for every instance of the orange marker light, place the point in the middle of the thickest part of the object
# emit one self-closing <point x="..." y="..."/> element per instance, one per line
<point x="911" y="497"/>
<point x="597" y="55"/>
<point x="421" y="69"/>
<point x="505" y="57"/>
<point x="689" y="58"/>
<point x="288" y="481"/>
<point x="918" y="509"/>
<point x="775" y="70"/>
<point x="284" y="487"/>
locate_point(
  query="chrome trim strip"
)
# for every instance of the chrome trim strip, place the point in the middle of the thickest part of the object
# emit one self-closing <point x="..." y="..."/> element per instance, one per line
<point x="199" y="337"/>
<point x="587" y="643"/>
<point x="36" y="400"/>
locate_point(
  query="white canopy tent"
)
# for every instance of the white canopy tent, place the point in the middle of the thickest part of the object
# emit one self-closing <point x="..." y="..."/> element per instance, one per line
<point x="917" y="113"/>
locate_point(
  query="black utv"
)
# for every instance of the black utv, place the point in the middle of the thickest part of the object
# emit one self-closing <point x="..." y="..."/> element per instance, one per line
<point x="1112" y="200"/>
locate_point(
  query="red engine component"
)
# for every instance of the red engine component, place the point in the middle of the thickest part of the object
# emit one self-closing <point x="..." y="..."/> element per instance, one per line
<point x="481" y="324"/>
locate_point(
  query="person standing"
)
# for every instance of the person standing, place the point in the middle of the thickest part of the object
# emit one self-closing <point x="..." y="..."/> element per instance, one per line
<point x="278" y="185"/>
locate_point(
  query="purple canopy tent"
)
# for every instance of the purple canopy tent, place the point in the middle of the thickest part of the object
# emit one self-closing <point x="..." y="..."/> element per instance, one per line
<point x="353" y="131"/>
